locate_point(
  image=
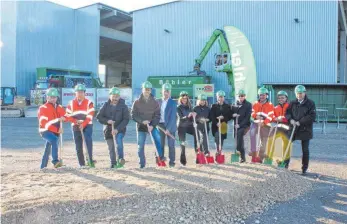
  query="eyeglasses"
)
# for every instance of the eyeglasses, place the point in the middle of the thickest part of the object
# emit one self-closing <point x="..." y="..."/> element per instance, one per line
<point x="184" y="98"/>
<point x="241" y="95"/>
<point x="184" y="95"/>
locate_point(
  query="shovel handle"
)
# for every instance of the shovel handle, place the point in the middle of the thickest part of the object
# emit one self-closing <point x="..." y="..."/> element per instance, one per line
<point x="208" y="144"/>
<point x="61" y="140"/>
<point x="220" y="134"/>
<point x="289" y="143"/>
<point x="196" y="134"/>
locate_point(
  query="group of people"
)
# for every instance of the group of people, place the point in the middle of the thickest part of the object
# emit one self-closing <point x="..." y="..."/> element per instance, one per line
<point x="164" y="117"/>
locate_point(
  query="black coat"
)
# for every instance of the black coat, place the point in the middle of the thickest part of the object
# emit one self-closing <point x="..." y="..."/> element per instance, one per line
<point x="216" y="111"/>
<point x="118" y="113"/>
<point x="182" y="113"/>
<point x="202" y="112"/>
<point x="305" y="113"/>
<point x="143" y="109"/>
<point x="244" y="109"/>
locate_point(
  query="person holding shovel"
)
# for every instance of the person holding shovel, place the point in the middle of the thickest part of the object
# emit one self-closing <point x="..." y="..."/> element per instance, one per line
<point x="146" y="112"/>
<point x="81" y="112"/>
<point x="202" y="116"/>
<point x="185" y="115"/>
<point x="302" y="113"/>
<point x="220" y="111"/>
<point x="167" y="122"/>
<point x="261" y="117"/>
<point x="282" y="130"/>
<point x="50" y="116"/>
<point x="242" y="111"/>
<point x="114" y="113"/>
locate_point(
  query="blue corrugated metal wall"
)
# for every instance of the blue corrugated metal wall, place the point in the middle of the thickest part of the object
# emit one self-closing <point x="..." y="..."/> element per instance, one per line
<point x="8" y="50"/>
<point x="50" y="35"/>
<point x="285" y="51"/>
<point x="43" y="31"/>
<point x="87" y="22"/>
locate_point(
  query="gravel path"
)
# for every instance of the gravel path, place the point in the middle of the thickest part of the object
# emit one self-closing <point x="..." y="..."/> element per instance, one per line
<point x="192" y="194"/>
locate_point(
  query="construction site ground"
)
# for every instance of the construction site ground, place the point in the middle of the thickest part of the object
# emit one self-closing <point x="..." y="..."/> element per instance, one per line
<point x="237" y="193"/>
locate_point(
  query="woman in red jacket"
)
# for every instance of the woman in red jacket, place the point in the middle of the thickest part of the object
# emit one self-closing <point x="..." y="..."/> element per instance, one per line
<point x="50" y="114"/>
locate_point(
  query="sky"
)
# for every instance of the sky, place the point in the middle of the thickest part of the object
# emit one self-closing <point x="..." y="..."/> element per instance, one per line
<point x="125" y="5"/>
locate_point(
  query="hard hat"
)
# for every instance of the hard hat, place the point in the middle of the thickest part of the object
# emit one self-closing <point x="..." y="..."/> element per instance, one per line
<point x="241" y="92"/>
<point x="220" y="93"/>
<point x="202" y="97"/>
<point x="52" y="92"/>
<point x="282" y="93"/>
<point x="147" y="85"/>
<point x="263" y="90"/>
<point x="80" y="87"/>
<point x="114" y="91"/>
<point x="300" y="89"/>
<point x="166" y="86"/>
<point x="183" y="93"/>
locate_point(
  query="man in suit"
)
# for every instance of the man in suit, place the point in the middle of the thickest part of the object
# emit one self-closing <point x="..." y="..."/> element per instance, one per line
<point x="168" y="108"/>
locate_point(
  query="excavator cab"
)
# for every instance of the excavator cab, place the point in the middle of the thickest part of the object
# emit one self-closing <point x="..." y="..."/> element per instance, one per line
<point x="7" y="95"/>
<point x="222" y="62"/>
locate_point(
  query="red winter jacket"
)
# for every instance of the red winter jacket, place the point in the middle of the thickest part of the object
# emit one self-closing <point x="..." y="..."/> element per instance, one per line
<point x="48" y="116"/>
<point x="266" y="111"/>
<point x="280" y="112"/>
<point x="83" y="110"/>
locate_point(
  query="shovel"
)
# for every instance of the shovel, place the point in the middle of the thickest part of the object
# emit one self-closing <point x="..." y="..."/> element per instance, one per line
<point x="209" y="158"/>
<point x="256" y="157"/>
<point x="119" y="164"/>
<point x="200" y="157"/>
<point x="171" y="136"/>
<point x="89" y="162"/>
<point x="282" y="163"/>
<point x="157" y="158"/>
<point x="268" y="160"/>
<point x="235" y="157"/>
<point x="220" y="158"/>
<point x="61" y="145"/>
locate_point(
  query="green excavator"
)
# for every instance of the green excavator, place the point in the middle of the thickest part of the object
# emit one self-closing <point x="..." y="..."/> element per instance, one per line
<point x="235" y="59"/>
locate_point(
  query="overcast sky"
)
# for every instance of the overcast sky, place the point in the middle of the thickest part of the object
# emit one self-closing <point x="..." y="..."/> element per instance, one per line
<point x="125" y="5"/>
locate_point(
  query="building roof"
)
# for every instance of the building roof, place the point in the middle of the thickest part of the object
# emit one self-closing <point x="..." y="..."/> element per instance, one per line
<point x="174" y="1"/>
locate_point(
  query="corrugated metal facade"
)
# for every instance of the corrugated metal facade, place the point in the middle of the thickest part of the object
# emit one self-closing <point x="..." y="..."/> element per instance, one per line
<point x="285" y="51"/>
<point x="8" y="50"/>
<point x="47" y="35"/>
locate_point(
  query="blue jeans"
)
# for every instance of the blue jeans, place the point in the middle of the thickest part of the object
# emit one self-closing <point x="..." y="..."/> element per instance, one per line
<point x="141" y="139"/>
<point x="171" y="144"/>
<point x="88" y="132"/>
<point x="51" y="143"/>
<point x="110" y="142"/>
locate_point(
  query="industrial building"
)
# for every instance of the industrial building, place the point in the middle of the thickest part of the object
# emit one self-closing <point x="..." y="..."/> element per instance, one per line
<point x="42" y="34"/>
<point x="292" y="41"/>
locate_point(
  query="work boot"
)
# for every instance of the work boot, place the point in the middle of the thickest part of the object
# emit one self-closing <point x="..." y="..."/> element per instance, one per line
<point x="58" y="164"/>
<point x="122" y="162"/>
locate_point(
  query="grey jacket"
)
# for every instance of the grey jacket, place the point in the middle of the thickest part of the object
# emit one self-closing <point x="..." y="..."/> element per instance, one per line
<point x="118" y="113"/>
<point x="145" y="110"/>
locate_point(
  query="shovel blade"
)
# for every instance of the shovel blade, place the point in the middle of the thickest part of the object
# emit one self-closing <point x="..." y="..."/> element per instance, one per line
<point x="282" y="165"/>
<point x="200" y="158"/>
<point x="119" y="165"/>
<point x="235" y="157"/>
<point x="220" y="159"/>
<point x="91" y="164"/>
<point x="268" y="161"/>
<point x="209" y="159"/>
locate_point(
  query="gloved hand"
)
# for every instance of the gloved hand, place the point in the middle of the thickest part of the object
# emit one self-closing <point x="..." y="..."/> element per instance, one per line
<point x="237" y="126"/>
<point x="194" y="125"/>
<point x="297" y="123"/>
<point x="235" y="115"/>
<point x="292" y="122"/>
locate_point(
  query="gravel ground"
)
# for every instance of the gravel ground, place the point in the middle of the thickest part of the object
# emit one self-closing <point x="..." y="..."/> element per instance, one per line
<point x="205" y="194"/>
